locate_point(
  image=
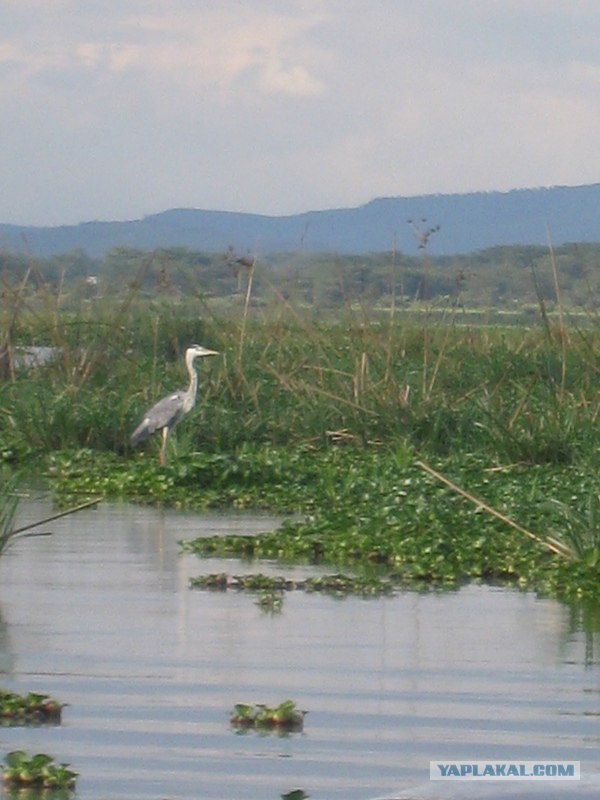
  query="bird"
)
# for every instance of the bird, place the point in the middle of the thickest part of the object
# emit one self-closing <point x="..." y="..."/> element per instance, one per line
<point x="164" y="415"/>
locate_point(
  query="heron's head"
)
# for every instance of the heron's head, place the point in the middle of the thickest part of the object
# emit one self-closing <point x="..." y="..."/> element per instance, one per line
<point x="196" y="351"/>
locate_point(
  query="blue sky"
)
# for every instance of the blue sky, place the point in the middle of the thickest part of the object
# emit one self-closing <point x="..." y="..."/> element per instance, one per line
<point x="114" y="109"/>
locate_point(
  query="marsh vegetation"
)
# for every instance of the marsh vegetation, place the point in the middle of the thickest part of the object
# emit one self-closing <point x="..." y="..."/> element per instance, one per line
<point x="327" y="415"/>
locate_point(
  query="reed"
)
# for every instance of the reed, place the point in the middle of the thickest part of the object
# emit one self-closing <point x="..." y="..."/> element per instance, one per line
<point x="286" y="375"/>
<point x="9" y="502"/>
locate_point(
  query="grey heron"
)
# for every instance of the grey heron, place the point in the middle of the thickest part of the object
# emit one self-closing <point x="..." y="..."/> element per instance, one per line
<point x="167" y="412"/>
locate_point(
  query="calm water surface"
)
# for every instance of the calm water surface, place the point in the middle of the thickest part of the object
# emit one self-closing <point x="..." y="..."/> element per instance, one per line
<point x="100" y="616"/>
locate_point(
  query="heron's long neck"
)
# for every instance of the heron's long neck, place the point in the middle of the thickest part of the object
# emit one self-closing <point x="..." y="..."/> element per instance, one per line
<point x="190" y="395"/>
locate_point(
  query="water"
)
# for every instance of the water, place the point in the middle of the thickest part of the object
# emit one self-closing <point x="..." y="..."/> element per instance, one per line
<point x="100" y="616"/>
<point x="31" y="357"/>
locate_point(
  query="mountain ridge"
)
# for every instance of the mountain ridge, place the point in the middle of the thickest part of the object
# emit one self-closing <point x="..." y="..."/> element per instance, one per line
<point x="468" y="222"/>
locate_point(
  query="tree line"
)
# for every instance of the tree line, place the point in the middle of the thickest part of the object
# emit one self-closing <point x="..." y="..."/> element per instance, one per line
<point x="499" y="277"/>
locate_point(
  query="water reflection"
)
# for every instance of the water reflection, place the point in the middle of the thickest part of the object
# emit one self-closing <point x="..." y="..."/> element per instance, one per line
<point x="585" y="789"/>
<point x="6" y="654"/>
<point x="585" y="618"/>
<point x="100" y="616"/>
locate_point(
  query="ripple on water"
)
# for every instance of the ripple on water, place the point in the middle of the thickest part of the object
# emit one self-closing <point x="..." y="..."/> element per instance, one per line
<point x="100" y="615"/>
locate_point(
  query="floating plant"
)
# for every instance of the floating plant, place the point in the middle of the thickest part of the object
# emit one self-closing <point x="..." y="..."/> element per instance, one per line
<point x="29" y="709"/>
<point x="337" y="584"/>
<point x="23" y="771"/>
<point x="251" y="583"/>
<point x="284" y="717"/>
<point x="270" y="601"/>
<point x="341" y="585"/>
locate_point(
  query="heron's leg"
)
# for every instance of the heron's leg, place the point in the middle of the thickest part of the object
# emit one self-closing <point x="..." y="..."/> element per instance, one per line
<point x="163" y="449"/>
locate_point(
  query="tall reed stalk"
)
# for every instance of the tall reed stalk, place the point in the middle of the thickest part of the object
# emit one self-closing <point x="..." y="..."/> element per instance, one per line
<point x="9" y="502"/>
<point x="562" y="331"/>
<point x="250" y="266"/>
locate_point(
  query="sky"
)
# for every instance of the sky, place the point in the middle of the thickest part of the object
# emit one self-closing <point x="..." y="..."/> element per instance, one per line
<point x="116" y="109"/>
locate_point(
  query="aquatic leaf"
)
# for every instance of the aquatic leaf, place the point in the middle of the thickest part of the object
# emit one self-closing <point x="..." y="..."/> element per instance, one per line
<point x="261" y="716"/>
<point x="37" y="770"/>
<point x="40" y="760"/>
<point x="16" y="758"/>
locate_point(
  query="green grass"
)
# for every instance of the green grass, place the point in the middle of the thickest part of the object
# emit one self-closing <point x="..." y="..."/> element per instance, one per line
<point x="285" y="377"/>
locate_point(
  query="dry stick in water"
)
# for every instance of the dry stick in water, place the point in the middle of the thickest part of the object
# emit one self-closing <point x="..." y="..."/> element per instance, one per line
<point x="550" y="544"/>
<point x="87" y="504"/>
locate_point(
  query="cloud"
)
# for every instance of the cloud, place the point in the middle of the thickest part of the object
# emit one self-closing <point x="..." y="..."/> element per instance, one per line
<point x="257" y="49"/>
<point x="117" y="109"/>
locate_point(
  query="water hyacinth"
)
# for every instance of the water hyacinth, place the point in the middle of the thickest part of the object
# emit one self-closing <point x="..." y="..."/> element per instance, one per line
<point x="338" y="584"/>
<point x="40" y="770"/>
<point x="30" y="709"/>
<point x="283" y="718"/>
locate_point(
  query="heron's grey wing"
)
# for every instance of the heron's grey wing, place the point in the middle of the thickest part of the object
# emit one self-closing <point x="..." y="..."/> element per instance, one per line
<point x="165" y="413"/>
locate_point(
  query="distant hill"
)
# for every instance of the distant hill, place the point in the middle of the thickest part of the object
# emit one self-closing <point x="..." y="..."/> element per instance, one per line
<point x="468" y="222"/>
